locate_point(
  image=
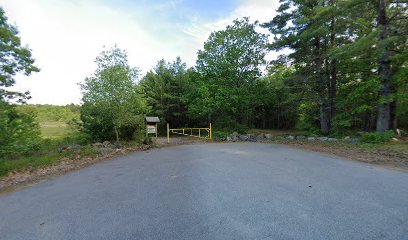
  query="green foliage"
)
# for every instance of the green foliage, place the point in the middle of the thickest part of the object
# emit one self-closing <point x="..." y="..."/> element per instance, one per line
<point x="220" y="135"/>
<point x="377" y="137"/>
<point x="112" y="106"/>
<point x="349" y="63"/>
<point x="55" y="121"/>
<point x="14" y="59"/>
<point x="19" y="131"/>
<point x="228" y="66"/>
<point x="166" y="89"/>
<point x="24" y="163"/>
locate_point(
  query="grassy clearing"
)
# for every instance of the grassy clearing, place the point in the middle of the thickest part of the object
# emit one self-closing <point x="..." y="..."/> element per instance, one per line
<point x="55" y="130"/>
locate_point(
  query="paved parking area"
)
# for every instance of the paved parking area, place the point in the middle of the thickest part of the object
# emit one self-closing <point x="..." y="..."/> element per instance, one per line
<point x="214" y="191"/>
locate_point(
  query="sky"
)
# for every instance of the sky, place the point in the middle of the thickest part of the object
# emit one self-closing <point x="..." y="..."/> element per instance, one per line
<point x="66" y="36"/>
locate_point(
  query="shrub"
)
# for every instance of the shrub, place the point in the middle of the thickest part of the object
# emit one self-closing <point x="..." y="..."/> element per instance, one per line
<point x="376" y="137"/>
<point x="20" y="133"/>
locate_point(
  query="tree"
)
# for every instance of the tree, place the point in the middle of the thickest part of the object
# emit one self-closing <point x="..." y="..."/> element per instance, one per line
<point x="377" y="49"/>
<point x="230" y="63"/>
<point x="14" y="58"/>
<point x="112" y="106"/>
<point x="165" y="89"/>
<point x="19" y="131"/>
<point x="310" y="29"/>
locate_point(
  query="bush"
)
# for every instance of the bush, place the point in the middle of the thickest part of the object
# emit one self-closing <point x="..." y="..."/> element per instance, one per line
<point x="20" y="133"/>
<point x="376" y="137"/>
<point x="220" y="135"/>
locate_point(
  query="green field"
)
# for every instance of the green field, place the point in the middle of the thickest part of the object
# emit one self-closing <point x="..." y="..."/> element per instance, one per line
<point x="55" y="130"/>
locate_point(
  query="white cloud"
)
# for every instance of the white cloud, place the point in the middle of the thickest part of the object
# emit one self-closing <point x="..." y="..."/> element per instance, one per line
<point x="66" y="36"/>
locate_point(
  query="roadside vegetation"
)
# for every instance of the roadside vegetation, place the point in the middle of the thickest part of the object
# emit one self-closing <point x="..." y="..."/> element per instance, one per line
<point x="341" y="72"/>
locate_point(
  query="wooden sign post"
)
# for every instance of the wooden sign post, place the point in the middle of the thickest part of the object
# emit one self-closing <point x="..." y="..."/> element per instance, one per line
<point x="151" y="126"/>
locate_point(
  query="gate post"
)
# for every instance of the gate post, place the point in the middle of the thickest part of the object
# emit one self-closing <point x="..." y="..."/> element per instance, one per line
<point x="211" y="133"/>
<point x="168" y="134"/>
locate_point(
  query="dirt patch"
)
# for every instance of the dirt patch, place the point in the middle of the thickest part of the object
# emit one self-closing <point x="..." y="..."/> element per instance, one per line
<point x="162" y="141"/>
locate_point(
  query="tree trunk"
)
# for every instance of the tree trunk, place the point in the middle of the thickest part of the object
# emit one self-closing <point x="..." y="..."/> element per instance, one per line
<point x="384" y="71"/>
<point x="324" y="121"/>
<point x="117" y="134"/>
<point x="333" y="72"/>
<point x="393" y="115"/>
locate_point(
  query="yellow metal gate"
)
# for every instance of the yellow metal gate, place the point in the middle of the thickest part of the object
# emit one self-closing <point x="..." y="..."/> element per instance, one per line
<point x="203" y="133"/>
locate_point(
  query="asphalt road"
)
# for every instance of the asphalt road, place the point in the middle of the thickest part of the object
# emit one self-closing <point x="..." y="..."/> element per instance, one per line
<point x="214" y="191"/>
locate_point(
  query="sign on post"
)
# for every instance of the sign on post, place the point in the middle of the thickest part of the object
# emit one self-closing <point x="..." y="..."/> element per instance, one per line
<point x="151" y="125"/>
<point x="151" y="129"/>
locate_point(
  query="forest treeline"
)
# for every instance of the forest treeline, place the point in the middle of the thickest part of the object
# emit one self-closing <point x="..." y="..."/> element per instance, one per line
<point x="342" y="66"/>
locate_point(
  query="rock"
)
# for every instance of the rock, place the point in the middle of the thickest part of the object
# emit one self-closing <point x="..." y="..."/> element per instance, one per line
<point x="74" y="147"/>
<point x="291" y="137"/>
<point x="235" y="134"/>
<point x="395" y="139"/>
<point x="243" y="137"/>
<point x="332" y="139"/>
<point x="354" y="140"/>
<point x="323" y="139"/>
<point x="268" y="136"/>
<point x="105" y="151"/>
<point x="251" y="138"/>
<point x="107" y="144"/>
<point x="97" y="145"/>
<point x="401" y="133"/>
<point x="347" y="138"/>
<point x="61" y="149"/>
<point x="300" y="137"/>
<point x="260" y="137"/>
<point x="311" y="138"/>
<point x="232" y="138"/>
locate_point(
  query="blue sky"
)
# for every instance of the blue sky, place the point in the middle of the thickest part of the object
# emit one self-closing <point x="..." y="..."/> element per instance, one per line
<point x="66" y="35"/>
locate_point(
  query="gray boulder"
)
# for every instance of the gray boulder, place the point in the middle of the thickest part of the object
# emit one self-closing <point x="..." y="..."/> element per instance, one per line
<point x="332" y="139"/>
<point x="323" y="139"/>
<point x="268" y="136"/>
<point x="311" y="138"/>
<point x="97" y="145"/>
<point x="300" y="137"/>
<point x="260" y="137"/>
<point x="235" y="134"/>
<point x="251" y="138"/>
<point x="105" y="151"/>
<point x="291" y="137"/>
<point x="401" y="133"/>
<point x="232" y="138"/>
<point x="243" y="137"/>
<point x="107" y="144"/>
